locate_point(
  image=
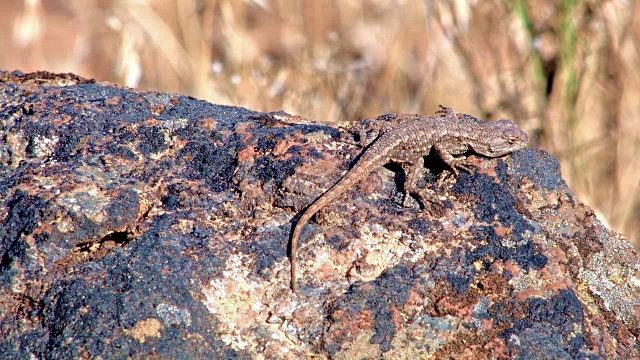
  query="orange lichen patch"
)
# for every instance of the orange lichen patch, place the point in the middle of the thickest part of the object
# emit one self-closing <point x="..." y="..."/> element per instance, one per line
<point x="555" y="286"/>
<point x="487" y="324"/>
<point x="482" y="167"/>
<point x="249" y="190"/>
<point x="502" y="231"/>
<point x="326" y="166"/>
<point x="247" y="154"/>
<point x="546" y="276"/>
<point x="208" y="124"/>
<point x="245" y="128"/>
<point x="415" y="302"/>
<point x="528" y="293"/>
<point x="347" y="327"/>
<point x="151" y="121"/>
<point x="156" y="109"/>
<point x="558" y="255"/>
<point x="397" y="317"/>
<point x="453" y="306"/>
<point x="496" y="347"/>
<point x="513" y="268"/>
<point x="283" y="146"/>
<point x="146" y="328"/>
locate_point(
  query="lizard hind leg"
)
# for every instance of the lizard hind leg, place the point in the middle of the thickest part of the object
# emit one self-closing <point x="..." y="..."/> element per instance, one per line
<point x="413" y="171"/>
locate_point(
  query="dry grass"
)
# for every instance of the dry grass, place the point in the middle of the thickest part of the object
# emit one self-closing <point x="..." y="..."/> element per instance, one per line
<point x="567" y="71"/>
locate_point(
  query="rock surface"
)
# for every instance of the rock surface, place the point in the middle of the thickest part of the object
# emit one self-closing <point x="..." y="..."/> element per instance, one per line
<point x="138" y="224"/>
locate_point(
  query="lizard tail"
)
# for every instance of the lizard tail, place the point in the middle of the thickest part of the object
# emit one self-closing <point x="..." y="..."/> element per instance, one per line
<point x="338" y="188"/>
<point x="297" y="230"/>
<point x="309" y="212"/>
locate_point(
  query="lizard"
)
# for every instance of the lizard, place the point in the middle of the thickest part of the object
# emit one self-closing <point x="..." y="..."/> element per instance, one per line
<point x="407" y="141"/>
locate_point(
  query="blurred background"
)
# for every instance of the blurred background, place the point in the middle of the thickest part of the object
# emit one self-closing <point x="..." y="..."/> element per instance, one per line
<point x="567" y="71"/>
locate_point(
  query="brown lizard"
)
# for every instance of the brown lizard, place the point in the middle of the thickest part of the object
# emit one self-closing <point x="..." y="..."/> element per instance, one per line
<point x="406" y="141"/>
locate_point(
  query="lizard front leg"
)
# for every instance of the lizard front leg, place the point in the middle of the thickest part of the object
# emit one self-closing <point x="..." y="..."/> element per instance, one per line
<point x="454" y="163"/>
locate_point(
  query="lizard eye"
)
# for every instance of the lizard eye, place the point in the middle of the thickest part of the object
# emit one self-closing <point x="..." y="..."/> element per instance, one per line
<point x="510" y="136"/>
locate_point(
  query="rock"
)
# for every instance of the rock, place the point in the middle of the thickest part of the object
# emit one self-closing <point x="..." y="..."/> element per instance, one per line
<point x="144" y="224"/>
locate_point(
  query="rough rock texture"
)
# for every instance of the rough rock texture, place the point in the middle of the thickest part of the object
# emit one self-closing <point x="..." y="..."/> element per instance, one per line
<point x="155" y="225"/>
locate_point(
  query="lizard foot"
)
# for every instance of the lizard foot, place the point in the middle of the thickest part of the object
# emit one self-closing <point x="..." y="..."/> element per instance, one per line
<point x="447" y="112"/>
<point x="426" y="198"/>
<point x="461" y="163"/>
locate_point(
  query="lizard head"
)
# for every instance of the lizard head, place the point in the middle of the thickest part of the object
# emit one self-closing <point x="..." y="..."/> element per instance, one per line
<point x="500" y="138"/>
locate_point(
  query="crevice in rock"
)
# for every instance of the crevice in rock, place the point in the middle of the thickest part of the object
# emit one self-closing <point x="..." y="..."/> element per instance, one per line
<point x="94" y="250"/>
